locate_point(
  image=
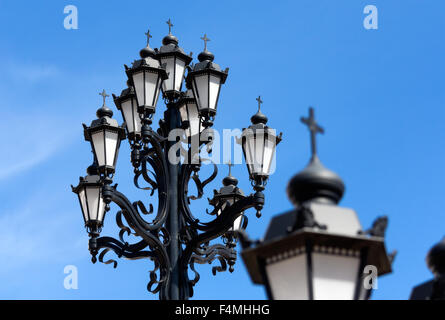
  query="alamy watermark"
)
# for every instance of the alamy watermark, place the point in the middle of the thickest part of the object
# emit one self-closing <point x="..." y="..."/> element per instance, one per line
<point x="370" y="280"/>
<point x="371" y="21"/>
<point x="71" y="20"/>
<point x="211" y="146"/>
<point x="70" y="281"/>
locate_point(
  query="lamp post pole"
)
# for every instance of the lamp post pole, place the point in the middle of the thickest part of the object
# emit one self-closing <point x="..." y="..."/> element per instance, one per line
<point x="173" y="222"/>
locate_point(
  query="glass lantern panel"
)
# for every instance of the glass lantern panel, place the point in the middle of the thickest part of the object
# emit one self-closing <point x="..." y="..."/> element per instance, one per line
<point x="111" y="138"/>
<point x="83" y="203"/>
<point x="214" y="85"/>
<point x="258" y="154"/>
<point x="179" y="74"/>
<point x="92" y="197"/>
<point x="201" y="91"/>
<point x="152" y="82"/>
<point x="99" y="147"/>
<point x="288" y="278"/>
<point x="194" y="120"/>
<point x="129" y="112"/>
<point x="101" y="213"/>
<point x="269" y="153"/>
<point x="249" y="147"/>
<point x="334" y="277"/>
<point x="138" y="81"/>
<point x="169" y="63"/>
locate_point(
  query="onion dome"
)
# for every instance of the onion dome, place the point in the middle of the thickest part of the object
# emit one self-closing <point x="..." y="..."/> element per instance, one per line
<point x="436" y="258"/>
<point x="315" y="182"/>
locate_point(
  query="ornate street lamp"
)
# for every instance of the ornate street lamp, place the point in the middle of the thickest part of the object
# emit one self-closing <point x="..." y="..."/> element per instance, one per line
<point x="105" y="136"/>
<point x="175" y="240"/>
<point x="146" y="76"/>
<point x="127" y="104"/>
<point x="317" y="251"/>
<point x="435" y="288"/>
<point x="175" y="61"/>
<point x="91" y="200"/>
<point x="259" y="143"/>
<point x="205" y="80"/>
<point x="190" y="119"/>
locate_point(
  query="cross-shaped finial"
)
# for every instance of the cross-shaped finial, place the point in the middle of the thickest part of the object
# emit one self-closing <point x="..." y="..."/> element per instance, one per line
<point x="170" y="25"/>
<point x="104" y="95"/>
<point x="230" y="164"/>
<point x="205" y="39"/>
<point x="314" y="128"/>
<point x="259" y="102"/>
<point x="148" y="36"/>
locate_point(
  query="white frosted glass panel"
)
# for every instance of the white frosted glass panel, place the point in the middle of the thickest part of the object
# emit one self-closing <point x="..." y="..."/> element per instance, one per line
<point x="83" y="203"/>
<point x="194" y="119"/>
<point x="259" y="148"/>
<point x="237" y="223"/>
<point x="93" y="201"/>
<point x="111" y="146"/>
<point x="169" y="62"/>
<point x="334" y="276"/>
<point x="202" y="87"/>
<point x="137" y="120"/>
<point x="138" y="80"/>
<point x="179" y="75"/>
<point x="128" y="113"/>
<point x="214" y="88"/>
<point x="99" y="148"/>
<point x="269" y="148"/>
<point x="101" y="213"/>
<point x="248" y="154"/>
<point x="151" y="80"/>
<point x="288" y="278"/>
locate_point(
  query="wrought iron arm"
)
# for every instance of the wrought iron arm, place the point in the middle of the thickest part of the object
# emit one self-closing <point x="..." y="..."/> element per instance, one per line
<point x="156" y="158"/>
<point x="157" y="252"/>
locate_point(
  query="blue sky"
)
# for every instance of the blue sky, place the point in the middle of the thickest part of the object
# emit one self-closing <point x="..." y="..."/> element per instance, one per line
<point x="378" y="93"/>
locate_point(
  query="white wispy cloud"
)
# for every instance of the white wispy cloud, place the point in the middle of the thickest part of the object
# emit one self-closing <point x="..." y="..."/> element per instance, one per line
<point x="34" y="233"/>
<point x="31" y="72"/>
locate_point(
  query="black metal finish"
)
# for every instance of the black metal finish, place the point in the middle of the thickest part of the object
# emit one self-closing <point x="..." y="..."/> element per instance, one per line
<point x="174" y="239"/>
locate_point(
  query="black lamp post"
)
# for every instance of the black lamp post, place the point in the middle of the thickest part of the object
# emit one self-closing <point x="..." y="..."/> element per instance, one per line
<point x="174" y="240"/>
<point x="318" y="250"/>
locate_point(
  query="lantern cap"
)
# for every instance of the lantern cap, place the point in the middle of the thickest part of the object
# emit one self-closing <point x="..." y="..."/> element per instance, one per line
<point x="170" y="39"/>
<point x="147" y="51"/>
<point x="259" y="117"/>
<point x="229" y="179"/>
<point x="92" y="170"/>
<point x="315" y="182"/>
<point x="436" y="258"/>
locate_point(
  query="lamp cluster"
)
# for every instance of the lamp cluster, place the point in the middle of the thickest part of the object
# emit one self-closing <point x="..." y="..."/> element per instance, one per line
<point x="194" y="110"/>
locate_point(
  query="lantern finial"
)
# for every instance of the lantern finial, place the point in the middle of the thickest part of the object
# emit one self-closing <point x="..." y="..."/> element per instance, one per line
<point x="170" y="25"/>
<point x="104" y="111"/>
<point x="230" y="180"/>
<point x="259" y="117"/>
<point x="314" y="128"/>
<point x="147" y="51"/>
<point x="148" y="36"/>
<point x="205" y="39"/>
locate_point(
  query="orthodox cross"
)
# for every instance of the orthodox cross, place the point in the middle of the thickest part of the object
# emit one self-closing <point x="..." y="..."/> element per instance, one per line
<point x="148" y="36"/>
<point x="170" y="25"/>
<point x="314" y="128"/>
<point x="104" y="95"/>
<point x="205" y="39"/>
<point x="259" y="102"/>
